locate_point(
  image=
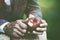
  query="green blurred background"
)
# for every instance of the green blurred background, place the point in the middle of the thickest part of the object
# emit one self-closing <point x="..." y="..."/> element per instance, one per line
<point x="50" y="10"/>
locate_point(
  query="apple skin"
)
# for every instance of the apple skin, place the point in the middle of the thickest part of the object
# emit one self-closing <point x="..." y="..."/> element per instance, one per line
<point x="34" y="22"/>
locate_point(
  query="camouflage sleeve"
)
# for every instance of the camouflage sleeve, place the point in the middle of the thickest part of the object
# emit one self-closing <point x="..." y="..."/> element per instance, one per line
<point x="34" y="8"/>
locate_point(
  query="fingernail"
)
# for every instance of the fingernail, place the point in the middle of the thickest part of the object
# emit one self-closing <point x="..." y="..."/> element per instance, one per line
<point x="24" y="31"/>
<point x="37" y="28"/>
<point x="41" y="24"/>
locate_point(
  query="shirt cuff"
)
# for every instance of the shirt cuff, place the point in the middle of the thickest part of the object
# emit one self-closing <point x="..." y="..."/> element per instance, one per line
<point x="2" y="26"/>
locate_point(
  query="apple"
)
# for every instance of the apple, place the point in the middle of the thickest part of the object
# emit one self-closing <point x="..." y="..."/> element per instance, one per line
<point x="34" y="22"/>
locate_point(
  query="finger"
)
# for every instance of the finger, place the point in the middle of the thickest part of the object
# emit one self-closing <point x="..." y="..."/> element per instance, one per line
<point x="20" y="29"/>
<point x="19" y="33"/>
<point x="22" y="24"/>
<point x="41" y="29"/>
<point x="44" y="23"/>
<point x="15" y="35"/>
<point x="38" y="33"/>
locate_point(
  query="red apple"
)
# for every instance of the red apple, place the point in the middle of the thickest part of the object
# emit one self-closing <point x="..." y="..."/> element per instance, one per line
<point x="34" y="22"/>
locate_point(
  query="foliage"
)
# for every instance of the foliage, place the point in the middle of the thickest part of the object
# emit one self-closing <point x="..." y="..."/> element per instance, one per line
<point x="51" y="15"/>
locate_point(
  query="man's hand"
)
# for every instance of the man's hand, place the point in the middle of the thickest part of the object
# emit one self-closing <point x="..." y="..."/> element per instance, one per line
<point x="42" y="26"/>
<point x="16" y="29"/>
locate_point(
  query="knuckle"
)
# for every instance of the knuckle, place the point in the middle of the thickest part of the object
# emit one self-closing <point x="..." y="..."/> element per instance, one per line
<point x="18" y="21"/>
<point x="16" y="25"/>
<point x="14" y="34"/>
<point x="24" y="31"/>
<point x="23" y="25"/>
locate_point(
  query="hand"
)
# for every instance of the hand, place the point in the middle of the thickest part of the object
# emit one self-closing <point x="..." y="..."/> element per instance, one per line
<point x="16" y="29"/>
<point x="41" y="29"/>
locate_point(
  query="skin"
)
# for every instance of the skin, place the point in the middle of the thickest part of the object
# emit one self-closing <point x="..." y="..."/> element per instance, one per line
<point x="41" y="27"/>
<point x="17" y="29"/>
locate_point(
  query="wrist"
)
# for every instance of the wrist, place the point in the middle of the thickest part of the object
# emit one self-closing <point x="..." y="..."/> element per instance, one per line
<point x="2" y="27"/>
<point x="33" y="16"/>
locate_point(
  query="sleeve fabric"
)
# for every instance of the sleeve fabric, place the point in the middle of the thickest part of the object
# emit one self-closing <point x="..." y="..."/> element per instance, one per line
<point x="34" y="8"/>
<point x="2" y="21"/>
